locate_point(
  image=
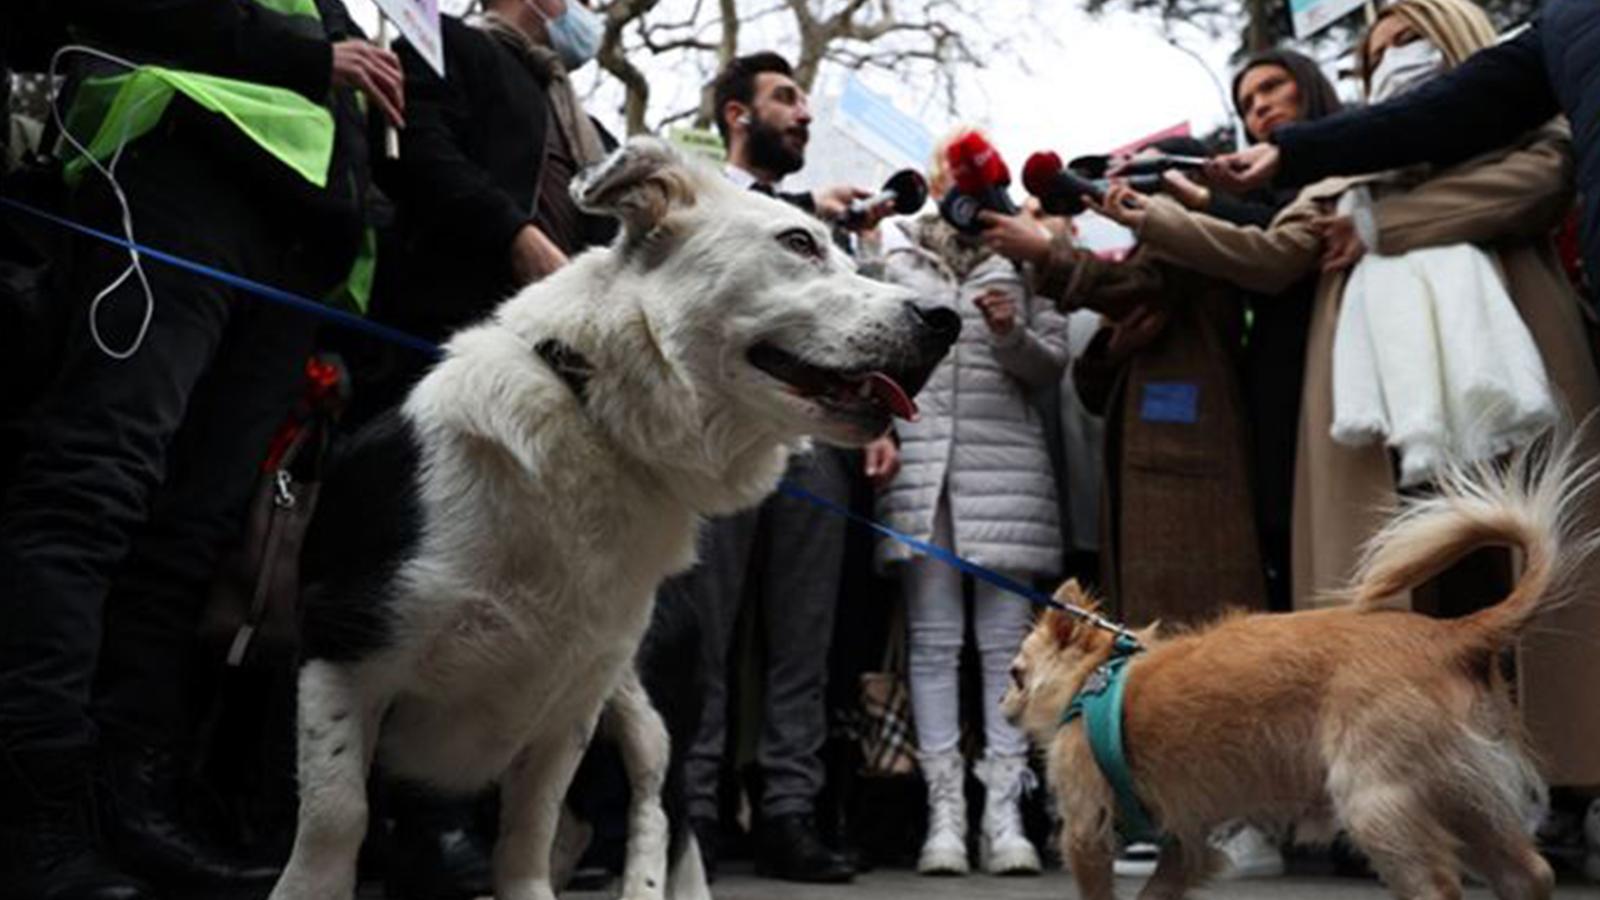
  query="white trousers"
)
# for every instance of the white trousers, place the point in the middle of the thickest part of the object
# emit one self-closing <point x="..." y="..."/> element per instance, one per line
<point x="935" y="629"/>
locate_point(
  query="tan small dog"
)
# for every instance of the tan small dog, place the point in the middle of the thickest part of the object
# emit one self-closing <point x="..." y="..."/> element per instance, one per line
<point x="1395" y="727"/>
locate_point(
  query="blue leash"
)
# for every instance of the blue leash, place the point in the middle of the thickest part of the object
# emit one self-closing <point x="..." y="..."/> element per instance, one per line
<point x="267" y="291"/>
<point x="1027" y="592"/>
<point x="395" y="336"/>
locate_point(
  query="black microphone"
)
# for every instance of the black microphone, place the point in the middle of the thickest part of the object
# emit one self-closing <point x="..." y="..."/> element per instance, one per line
<point x="962" y="208"/>
<point x="1100" y="165"/>
<point x="1060" y="190"/>
<point x="1162" y="162"/>
<point x="906" y="188"/>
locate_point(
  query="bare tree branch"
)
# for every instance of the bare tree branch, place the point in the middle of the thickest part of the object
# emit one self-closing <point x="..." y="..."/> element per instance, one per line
<point x="927" y="39"/>
<point x="611" y="57"/>
<point x="679" y="116"/>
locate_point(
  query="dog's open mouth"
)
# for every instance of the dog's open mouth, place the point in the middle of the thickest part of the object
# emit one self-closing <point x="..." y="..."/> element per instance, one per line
<point x="846" y="392"/>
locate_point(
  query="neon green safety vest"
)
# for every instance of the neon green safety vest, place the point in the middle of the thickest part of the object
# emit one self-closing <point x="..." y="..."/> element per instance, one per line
<point x="117" y="109"/>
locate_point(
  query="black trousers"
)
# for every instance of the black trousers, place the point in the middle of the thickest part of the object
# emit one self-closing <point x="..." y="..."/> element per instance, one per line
<point x="134" y="473"/>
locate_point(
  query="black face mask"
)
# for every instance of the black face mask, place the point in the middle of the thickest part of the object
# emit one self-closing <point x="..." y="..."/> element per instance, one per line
<point x="770" y="153"/>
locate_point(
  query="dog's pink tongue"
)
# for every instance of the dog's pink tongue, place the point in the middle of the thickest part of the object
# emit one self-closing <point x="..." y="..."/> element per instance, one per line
<point x="891" y="394"/>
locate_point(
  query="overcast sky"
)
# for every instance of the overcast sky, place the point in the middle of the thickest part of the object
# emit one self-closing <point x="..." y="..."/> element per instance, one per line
<point x="1071" y="83"/>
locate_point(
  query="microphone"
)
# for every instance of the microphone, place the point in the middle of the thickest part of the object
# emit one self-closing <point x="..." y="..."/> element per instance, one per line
<point x="907" y="189"/>
<point x="1100" y="165"/>
<point x="975" y="164"/>
<point x="981" y="178"/>
<point x="1155" y="165"/>
<point x="1059" y="189"/>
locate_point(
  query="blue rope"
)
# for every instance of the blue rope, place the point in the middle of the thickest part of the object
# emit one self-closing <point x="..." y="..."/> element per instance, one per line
<point x="395" y="336"/>
<point x="1031" y="594"/>
<point x="982" y="573"/>
<point x="267" y="291"/>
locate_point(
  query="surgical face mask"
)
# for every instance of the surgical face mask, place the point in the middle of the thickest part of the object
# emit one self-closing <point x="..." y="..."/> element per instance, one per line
<point x="575" y="34"/>
<point x="1403" y="68"/>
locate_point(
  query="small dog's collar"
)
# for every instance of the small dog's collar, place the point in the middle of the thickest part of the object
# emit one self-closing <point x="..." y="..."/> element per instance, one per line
<point x="1099" y="703"/>
<point x="570" y="365"/>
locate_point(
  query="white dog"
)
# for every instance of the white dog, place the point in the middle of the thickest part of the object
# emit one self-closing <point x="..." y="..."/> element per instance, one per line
<point x="483" y="571"/>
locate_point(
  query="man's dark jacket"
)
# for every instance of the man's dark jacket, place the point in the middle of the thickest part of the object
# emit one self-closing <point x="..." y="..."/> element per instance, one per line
<point x="1494" y="97"/>
<point x="466" y="182"/>
<point x="240" y="39"/>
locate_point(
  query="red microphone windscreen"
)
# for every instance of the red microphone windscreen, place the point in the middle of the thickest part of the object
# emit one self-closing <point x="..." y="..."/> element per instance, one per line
<point x="1039" y="173"/>
<point x="975" y="164"/>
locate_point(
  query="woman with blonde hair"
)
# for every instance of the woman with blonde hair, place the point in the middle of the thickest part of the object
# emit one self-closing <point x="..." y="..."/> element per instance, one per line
<point x="975" y="478"/>
<point x="1507" y="203"/>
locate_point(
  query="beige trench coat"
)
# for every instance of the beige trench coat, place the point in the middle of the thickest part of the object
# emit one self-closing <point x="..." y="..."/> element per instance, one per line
<point x="1507" y="202"/>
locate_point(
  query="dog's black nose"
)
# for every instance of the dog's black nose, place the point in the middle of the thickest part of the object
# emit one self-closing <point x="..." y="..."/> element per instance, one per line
<point x="939" y="323"/>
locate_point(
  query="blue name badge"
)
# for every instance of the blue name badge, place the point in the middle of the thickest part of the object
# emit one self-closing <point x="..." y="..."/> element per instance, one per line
<point x="1170" y="401"/>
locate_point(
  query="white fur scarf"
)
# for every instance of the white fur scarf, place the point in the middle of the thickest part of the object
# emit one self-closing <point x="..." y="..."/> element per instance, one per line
<point x="1431" y="356"/>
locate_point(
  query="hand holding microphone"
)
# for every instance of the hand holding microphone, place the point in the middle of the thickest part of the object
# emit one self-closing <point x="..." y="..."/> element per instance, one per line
<point x="1246" y="169"/>
<point x="1125" y="206"/>
<point x="1019" y="238"/>
<point x="904" y="193"/>
<point x="1194" y="196"/>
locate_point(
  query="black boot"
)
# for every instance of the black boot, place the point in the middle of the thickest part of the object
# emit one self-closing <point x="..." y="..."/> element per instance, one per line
<point x="437" y="850"/>
<point x="48" y="849"/>
<point x="146" y="829"/>
<point x="792" y="850"/>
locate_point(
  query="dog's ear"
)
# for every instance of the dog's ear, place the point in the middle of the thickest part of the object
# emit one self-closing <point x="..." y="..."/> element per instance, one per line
<point x="639" y="183"/>
<point x="1072" y="594"/>
<point x="1061" y="627"/>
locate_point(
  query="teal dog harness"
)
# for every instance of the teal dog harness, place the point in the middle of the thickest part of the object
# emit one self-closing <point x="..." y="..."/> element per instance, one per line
<point x="1099" y="702"/>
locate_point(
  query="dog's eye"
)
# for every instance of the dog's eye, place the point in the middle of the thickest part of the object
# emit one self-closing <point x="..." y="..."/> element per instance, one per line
<point x="801" y="241"/>
<point x="1016" y="677"/>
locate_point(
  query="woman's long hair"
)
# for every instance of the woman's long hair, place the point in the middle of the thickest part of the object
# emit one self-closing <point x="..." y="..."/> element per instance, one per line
<point x="1317" y="96"/>
<point x="1459" y="28"/>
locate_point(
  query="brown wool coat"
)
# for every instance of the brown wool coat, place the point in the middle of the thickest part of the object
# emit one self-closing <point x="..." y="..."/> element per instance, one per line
<point x="1177" y="522"/>
<point x="1507" y="202"/>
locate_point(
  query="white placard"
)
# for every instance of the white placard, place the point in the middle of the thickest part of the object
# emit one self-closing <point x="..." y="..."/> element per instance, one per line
<point x="1311" y="16"/>
<point x="418" y="21"/>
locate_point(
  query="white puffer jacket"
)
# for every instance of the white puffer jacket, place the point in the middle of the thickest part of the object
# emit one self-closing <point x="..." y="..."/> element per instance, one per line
<point x="978" y="435"/>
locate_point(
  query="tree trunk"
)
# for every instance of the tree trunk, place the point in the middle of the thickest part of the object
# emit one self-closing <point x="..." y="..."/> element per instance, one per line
<point x="727" y="50"/>
<point x="1259" y="32"/>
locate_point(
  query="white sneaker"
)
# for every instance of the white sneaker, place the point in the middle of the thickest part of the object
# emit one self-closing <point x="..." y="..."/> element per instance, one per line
<point x="1247" y="853"/>
<point x="944" y="850"/>
<point x="1591" y="835"/>
<point x="1137" y="860"/>
<point x="1004" y="849"/>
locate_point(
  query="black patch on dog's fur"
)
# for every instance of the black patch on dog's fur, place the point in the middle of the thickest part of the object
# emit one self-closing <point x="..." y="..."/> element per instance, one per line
<point x="368" y="522"/>
<point x="668" y="663"/>
<point x="669" y="669"/>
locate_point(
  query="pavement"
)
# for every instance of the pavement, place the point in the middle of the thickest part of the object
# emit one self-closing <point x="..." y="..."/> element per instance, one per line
<point x="899" y="884"/>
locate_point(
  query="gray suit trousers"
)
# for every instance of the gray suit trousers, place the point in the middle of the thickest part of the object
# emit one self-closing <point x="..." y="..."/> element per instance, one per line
<point x="786" y="555"/>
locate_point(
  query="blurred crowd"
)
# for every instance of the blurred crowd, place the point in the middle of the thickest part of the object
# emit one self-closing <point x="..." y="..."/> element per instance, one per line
<point x="1305" y="330"/>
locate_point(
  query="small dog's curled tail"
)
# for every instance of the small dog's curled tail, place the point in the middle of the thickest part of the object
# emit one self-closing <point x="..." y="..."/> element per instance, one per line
<point x="1531" y="502"/>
